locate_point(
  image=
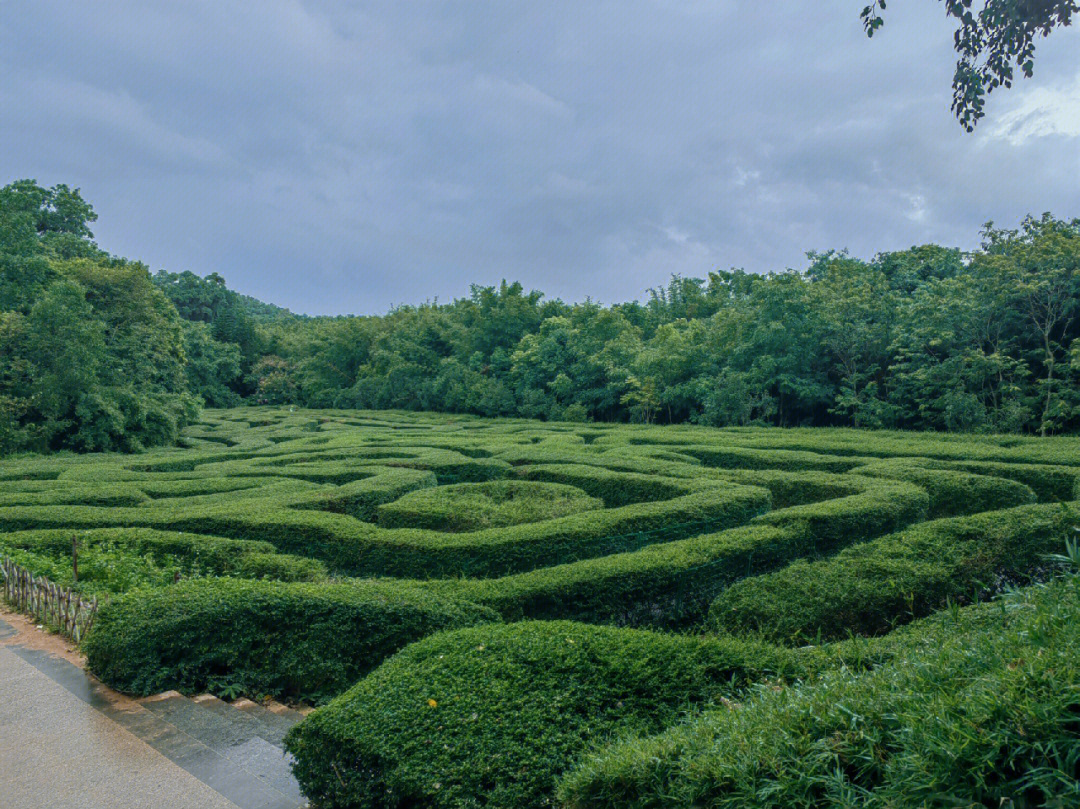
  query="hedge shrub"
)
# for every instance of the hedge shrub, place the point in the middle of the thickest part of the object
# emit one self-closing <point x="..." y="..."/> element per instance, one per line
<point x="869" y="588"/>
<point x="491" y="715"/>
<point x="191" y="487"/>
<point x="638" y="460"/>
<point x="475" y="506"/>
<point x="954" y="493"/>
<point x="117" y="494"/>
<point x="671" y="584"/>
<point x="1051" y="484"/>
<point x="613" y="487"/>
<point x="361" y="498"/>
<point x="353" y="547"/>
<point x="796" y="488"/>
<point x="279" y="567"/>
<point x="829" y="525"/>
<point x="300" y="640"/>
<point x="734" y="457"/>
<point x="976" y="713"/>
<point x="212" y="553"/>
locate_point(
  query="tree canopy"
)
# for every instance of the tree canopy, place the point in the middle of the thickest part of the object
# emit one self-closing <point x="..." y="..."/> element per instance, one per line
<point x="95" y="353"/>
<point x="91" y="354"/>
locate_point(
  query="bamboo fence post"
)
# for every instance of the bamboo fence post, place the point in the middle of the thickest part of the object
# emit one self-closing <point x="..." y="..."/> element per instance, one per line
<point x="47" y="601"/>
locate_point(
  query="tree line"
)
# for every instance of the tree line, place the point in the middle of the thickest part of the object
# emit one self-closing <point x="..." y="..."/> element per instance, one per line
<point x="96" y="353"/>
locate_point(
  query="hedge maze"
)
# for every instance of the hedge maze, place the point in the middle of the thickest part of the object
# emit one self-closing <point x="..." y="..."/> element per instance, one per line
<point x="486" y="603"/>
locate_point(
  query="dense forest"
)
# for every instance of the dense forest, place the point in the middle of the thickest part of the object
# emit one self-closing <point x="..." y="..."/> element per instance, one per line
<point x="97" y="353"/>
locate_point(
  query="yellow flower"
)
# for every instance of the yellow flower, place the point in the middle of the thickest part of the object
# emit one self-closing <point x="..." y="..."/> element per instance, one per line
<point x="432" y="703"/>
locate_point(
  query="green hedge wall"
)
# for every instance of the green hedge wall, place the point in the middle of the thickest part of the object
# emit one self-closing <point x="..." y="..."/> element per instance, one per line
<point x="670" y="584"/>
<point x="114" y="560"/>
<point x="614" y="488"/>
<point x="361" y="498"/>
<point x="733" y="457"/>
<point x="116" y="494"/>
<point x="308" y="641"/>
<point x="356" y="548"/>
<point x="826" y="526"/>
<point x="491" y="715"/>
<point x="869" y="588"/>
<point x="953" y="493"/>
<point x="216" y="553"/>
<point x="466" y="507"/>
<point x="980" y="710"/>
<point x="1051" y="484"/>
<point x="279" y="567"/>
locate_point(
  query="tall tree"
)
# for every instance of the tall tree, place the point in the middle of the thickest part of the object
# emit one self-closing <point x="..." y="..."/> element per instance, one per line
<point x="92" y="353"/>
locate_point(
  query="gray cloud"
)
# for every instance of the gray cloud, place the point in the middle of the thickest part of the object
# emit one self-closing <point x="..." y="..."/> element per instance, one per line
<point x="335" y="159"/>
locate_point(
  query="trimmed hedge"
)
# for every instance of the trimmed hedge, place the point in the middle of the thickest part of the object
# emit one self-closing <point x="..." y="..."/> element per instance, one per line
<point x="116" y="494"/>
<point x="869" y="588"/>
<point x="215" y="553"/>
<point x="667" y="585"/>
<point x="639" y="460"/>
<point x="733" y="457"/>
<point x="979" y="710"/>
<point x="280" y="567"/>
<point x="614" y="488"/>
<point x="271" y="490"/>
<point x="490" y="716"/>
<point x="299" y="640"/>
<point x="671" y="584"/>
<point x="1051" y="484"/>
<point x="191" y="487"/>
<point x="885" y="443"/>
<point x="475" y="506"/>
<point x="953" y="493"/>
<point x="357" y="548"/>
<point x="361" y="498"/>
<point x="797" y="488"/>
<point x="826" y="526"/>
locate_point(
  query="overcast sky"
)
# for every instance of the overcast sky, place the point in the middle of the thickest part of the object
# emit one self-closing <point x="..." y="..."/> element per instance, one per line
<point x="337" y="157"/>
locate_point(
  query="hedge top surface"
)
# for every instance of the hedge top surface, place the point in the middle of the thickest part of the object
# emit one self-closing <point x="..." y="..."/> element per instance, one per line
<point x="622" y="524"/>
<point x="422" y="730"/>
<point x="298" y="640"/>
<point x="372" y="494"/>
<point x="979" y="706"/>
<point x="494" y="504"/>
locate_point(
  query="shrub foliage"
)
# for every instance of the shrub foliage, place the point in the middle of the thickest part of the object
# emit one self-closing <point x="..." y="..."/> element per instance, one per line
<point x="486" y="605"/>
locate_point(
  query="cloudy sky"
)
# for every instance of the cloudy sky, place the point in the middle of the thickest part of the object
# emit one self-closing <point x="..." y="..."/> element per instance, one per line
<point x="341" y="157"/>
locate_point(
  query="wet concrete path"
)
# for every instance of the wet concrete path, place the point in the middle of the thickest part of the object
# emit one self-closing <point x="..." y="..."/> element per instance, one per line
<point x="66" y="741"/>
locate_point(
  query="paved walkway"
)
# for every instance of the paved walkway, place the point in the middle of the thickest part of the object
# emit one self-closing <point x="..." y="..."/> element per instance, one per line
<point x="67" y="742"/>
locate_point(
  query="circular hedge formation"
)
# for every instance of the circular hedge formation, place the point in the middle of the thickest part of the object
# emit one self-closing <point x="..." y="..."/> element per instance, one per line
<point x="494" y="504"/>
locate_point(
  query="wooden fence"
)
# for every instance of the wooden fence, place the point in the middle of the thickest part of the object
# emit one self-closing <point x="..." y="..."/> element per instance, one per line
<point x="47" y="602"/>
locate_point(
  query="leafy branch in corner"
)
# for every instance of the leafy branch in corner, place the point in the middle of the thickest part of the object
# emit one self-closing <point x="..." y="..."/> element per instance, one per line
<point x="992" y="43"/>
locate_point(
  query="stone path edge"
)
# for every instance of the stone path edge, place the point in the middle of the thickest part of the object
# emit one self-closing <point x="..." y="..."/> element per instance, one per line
<point x="209" y="767"/>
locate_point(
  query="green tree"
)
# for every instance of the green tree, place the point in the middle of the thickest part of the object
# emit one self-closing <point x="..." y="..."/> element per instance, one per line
<point x="956" y="365"/>
<point x="856" y="305"/>
<point x="212" y="367"/>
<point x="92" y="353"/>
<point x="1042" y="261"/>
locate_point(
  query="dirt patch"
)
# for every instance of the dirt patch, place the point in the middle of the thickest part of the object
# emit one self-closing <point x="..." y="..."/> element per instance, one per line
<point x="29" y="636"/>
